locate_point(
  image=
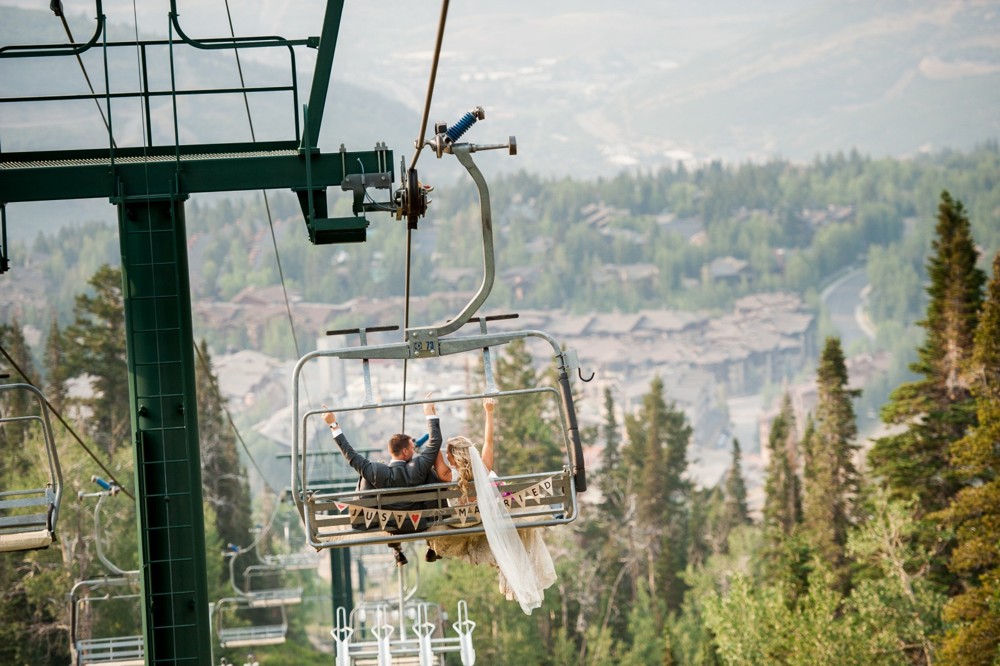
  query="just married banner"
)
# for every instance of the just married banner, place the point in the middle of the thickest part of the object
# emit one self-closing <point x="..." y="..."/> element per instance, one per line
<point x="465" y="512"/>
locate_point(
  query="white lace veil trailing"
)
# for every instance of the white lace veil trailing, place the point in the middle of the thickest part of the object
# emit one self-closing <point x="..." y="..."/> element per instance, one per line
<point x="508" y="550"/>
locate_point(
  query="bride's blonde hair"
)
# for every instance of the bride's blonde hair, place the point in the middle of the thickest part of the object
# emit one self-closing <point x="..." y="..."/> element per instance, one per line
<point x="459" y="447"/>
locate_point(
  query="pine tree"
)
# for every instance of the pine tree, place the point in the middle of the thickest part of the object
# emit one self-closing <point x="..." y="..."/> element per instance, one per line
<point x="96" y="347"/>
<point x="224" y="482"/>
<point x="611" y="479"/>
<point x="936" y="408"/>
<point x="974" y="513"/>
<point x="786" y="556"/>
<point x="13" y="435"/>
<point x="783" y="499"/>
<point x="55" y="366"/>
<point x="606" y="536"/>
<point x="656" y="457"/>
<point x="736" y="511"/>
<point x="831" y="476"/>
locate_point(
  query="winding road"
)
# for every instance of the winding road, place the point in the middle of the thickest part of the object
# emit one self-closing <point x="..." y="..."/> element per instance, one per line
<point x="844" y="300"/>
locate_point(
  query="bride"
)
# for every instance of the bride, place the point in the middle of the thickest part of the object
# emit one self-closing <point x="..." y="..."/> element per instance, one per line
<point x="524" y="564"/>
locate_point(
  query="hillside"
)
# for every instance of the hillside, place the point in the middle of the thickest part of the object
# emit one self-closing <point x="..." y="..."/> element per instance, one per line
<point x="889" y="78"/>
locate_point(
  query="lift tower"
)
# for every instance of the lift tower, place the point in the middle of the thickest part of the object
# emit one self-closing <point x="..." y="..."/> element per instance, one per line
<point x="149" y="185"/>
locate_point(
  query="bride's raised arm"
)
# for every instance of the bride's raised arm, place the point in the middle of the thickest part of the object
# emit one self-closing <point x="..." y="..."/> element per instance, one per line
<point x="489" y="404"/>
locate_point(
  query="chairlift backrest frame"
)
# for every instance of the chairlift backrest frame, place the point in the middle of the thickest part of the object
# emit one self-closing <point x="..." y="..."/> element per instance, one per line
<point x="31" y="531"/>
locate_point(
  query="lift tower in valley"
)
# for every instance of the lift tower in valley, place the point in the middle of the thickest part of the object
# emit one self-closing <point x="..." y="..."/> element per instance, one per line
<point x="149" y="184"/>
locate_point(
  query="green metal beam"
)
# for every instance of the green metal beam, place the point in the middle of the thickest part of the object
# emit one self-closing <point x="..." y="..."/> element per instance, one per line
<point x="161" y="172"/>
<point x="341" y="586"/>
<point x="321" y="77"/>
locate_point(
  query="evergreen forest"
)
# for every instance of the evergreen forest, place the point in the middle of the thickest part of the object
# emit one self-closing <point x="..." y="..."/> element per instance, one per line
<point x="884" y="552"/>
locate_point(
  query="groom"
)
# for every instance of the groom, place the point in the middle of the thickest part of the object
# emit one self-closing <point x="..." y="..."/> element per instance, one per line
<point x="406" y="468"/>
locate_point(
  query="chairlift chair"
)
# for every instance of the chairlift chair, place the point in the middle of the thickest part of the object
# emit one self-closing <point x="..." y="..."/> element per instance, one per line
<point x="330" y="515"/>
<point x="261" y="598"/>
<point x="292" y="561"/>
<point x="333" y="516"/>
<point x="233" y="635"/>
<point x="28" y="516"/>
<point x="106" y="650"/>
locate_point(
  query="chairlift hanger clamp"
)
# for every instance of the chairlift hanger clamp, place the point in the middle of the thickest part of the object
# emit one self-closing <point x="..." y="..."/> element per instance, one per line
<point x="423" y="341"/>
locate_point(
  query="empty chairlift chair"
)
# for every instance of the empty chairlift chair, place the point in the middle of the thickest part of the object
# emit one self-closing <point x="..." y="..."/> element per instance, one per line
<point x="295" y="560"/>
<point x="28" y="516"/>
<point x="93" y="603"/>
<point x="90" y="598"/>
<point x="262" y="597"/>
<point x="234" y="632"/>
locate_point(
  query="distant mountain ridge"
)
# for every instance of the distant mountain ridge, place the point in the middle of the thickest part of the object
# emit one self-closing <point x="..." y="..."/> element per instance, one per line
<point x="888" y="78"/>
<point x="592" y="89"/>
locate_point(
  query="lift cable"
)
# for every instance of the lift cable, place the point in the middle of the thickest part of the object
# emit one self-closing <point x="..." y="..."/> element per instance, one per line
<point x="419" y="145"/>
<point x="57" y="8"/>
<point x="406" y="312"/>
<point x="229" y="416"/>
<point x="430" y="82"/>
<point x="267" y="203"/>
<point x="66" y="425"/>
